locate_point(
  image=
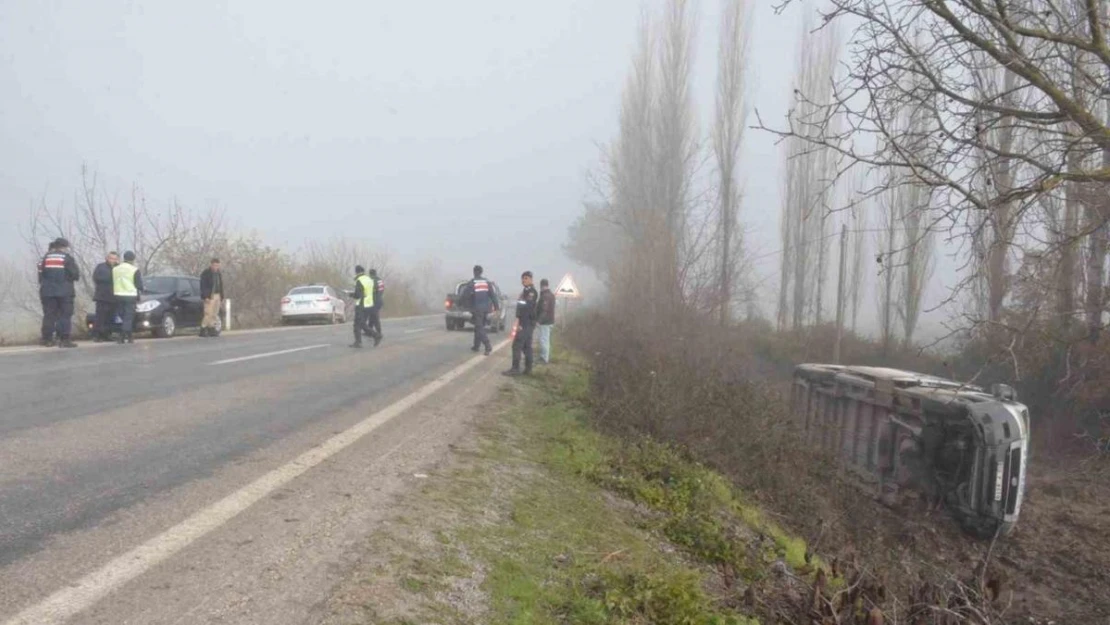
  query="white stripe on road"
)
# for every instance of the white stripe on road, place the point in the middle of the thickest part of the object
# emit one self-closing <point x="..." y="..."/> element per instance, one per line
<point x="90" y="589"/>
<point x="268" y="354"/>
<point x="417" y="330"/>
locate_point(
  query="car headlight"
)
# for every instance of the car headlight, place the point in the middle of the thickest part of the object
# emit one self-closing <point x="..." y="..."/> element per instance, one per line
<point x="145" y="307"/>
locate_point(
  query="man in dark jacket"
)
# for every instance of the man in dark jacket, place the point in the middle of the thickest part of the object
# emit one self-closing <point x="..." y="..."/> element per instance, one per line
<point x="103" y="298"/>
<point x="375" y="312"/>
<point x="480" y="296"/>
<point x="526" y="325"/>
<point x="545" y="316"/>
<point x="57" y="274"/>
<point x="212" y="292"/>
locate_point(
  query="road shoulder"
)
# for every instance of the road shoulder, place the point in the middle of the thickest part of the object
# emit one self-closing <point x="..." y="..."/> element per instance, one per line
<point x="528" y="523"/>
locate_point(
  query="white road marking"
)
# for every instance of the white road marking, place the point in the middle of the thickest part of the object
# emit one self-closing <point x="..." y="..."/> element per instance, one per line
<point x="90" y="589"/>
<point x="268" y="354"/>
<point x="417" y="330"/>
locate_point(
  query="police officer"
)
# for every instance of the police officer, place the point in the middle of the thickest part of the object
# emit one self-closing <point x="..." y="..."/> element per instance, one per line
<point x="127" y="283"/>
<point x="526" y="324"/>
<point x="479" y="293"/>
<point x="57" y="274"/>
<point x="364" y="303"/>
<point x="379" y="300"/>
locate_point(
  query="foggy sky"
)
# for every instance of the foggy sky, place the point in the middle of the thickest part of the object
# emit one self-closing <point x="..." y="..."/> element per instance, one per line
<point x="456" y="130"/>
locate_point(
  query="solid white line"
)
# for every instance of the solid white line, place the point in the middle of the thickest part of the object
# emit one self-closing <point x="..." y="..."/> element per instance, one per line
<point x="268" y="354"/>
<point x="90" y="589"/>
<point x="417" y="330"/>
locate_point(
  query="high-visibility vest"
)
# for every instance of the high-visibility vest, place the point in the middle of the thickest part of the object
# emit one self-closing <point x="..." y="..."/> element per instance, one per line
<point x="367" y="291"/>
<point x="123" y="280"/>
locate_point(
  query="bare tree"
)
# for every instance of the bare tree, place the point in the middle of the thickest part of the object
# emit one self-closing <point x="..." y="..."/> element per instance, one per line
<point x="887" y="242"/>
<point x="728" y="134"/>
<point x="810" y="173"/>
<point x="917" y="256"/>
<point x="933" y="56"/>
<point x="647" y="203"/>
<point x="857" y="277"/>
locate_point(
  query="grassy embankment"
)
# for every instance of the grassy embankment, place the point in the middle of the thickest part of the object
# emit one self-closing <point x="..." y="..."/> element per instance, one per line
<point x="543" y="520"/>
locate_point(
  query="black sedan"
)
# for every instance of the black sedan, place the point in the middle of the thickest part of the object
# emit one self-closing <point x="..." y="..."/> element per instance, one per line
<point x="167" y="305"/>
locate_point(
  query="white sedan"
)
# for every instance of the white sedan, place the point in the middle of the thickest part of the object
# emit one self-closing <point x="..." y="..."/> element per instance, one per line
<point x="317" y="302"/>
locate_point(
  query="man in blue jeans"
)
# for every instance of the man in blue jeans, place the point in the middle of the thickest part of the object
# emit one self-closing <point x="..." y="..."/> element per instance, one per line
<point x="545" y="316"/>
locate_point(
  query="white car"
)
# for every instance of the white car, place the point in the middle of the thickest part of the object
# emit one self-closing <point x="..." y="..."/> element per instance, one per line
<point x="315" y="302"/>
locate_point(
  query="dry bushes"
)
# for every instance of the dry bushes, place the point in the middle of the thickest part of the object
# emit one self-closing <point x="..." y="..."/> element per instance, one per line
<point x="706" y="391"/>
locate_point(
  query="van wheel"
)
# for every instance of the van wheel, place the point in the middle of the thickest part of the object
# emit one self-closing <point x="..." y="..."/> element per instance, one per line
<point x="168" y="328"/>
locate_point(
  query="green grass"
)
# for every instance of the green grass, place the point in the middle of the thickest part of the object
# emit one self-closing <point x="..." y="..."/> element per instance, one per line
<point x="567" y="525"/>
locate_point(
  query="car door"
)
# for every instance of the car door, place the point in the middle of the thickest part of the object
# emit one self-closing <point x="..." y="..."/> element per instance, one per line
<point x="188" y="303"/>
<point x="336" y="302"/>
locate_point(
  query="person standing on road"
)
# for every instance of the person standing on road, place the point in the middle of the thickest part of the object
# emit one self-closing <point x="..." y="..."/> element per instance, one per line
<point x="479" y="294"/>
<point x="127" y="283"/>
<point x="104" y="298"/>
<point x="545" y="316"/>
<point x="379" y="300"/>
<point x="364" y="304"/>
<point x="212" y="292"/>
<point x="526" y="325"/>
<point x="57" y="274"/>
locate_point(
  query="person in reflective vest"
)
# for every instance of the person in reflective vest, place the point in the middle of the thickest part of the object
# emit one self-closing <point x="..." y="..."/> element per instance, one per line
<point x="364" y="303"/>
<point x="127" y="282"/>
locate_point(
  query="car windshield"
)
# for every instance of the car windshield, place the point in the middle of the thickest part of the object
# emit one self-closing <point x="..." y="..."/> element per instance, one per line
<point x="307" y="290"/>
<point x="156" y="284"/>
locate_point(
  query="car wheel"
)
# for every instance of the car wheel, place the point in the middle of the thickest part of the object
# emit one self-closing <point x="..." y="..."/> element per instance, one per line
<point x="450" y="325"/>
<point x="168" y="328"/>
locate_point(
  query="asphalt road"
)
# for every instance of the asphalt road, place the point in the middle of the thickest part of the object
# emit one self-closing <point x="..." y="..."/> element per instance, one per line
<point x="104" y="446"/>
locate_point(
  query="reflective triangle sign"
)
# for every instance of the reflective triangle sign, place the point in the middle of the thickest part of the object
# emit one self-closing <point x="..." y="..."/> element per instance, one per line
<point x="567" y="288"/>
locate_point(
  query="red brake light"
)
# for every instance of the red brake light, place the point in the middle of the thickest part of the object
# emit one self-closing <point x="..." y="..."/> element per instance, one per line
<point x="285" y="300"/>
<point x="447" y="303"/>
<point x="323" y="299"/>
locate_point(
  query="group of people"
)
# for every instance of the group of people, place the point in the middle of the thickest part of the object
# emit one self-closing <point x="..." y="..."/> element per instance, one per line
<point x="369" y="296"/>
<point x="533" y="310"/>
<point x="116" y="292"/>
<point x="117" y="286"/>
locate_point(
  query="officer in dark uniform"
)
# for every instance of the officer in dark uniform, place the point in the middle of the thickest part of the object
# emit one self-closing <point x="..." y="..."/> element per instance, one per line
<point x="364" y="302"/>
<point x="379" y="300"/>
<point x="526" y="324"/>
<point x="57" y="274"/>
<point x="479" y="294"/>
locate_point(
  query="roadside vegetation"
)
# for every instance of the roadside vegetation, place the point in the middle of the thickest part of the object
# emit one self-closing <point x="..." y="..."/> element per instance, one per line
<point x="545" y="519"/>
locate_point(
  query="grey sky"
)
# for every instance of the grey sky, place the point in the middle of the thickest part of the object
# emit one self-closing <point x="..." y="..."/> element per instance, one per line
<point x="457" y="130"/>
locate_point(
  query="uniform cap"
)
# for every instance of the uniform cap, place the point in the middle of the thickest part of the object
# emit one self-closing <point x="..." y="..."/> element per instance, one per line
<point x="129" y="256"/>
<point x="359" y="269"/>
<point x="61" y="242"/>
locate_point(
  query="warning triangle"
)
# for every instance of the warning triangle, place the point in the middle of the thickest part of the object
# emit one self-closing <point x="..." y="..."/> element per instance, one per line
<point x="567" y="288"/>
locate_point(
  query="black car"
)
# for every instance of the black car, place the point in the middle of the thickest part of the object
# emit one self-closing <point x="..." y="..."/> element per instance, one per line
<point x="167" y="304"/>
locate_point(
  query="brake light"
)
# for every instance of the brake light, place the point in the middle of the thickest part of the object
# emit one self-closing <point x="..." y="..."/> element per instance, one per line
<point x="286" y="300"/>
<point x="323" y="299"/>
<point x="447" y="303"/>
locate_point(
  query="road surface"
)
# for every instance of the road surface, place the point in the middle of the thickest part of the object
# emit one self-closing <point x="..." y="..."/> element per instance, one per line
<point x="197" y="480"/>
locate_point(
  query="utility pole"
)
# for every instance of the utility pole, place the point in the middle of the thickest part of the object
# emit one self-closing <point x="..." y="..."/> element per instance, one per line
<point x="840" y="293"/>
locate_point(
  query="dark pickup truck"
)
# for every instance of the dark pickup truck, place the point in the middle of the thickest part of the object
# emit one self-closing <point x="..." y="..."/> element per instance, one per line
<point x="457" y="317"/>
